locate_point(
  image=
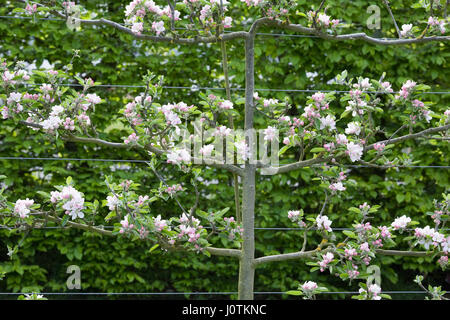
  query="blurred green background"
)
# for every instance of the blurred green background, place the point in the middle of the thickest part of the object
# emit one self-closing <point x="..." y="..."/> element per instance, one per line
<point x="282" y="62"/>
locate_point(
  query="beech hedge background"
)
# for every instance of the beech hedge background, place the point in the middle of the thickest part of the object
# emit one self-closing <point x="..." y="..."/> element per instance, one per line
<point x="111" y="57"/>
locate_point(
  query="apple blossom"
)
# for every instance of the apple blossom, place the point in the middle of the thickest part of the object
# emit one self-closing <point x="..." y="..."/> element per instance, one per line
<point x="401" y="223"/>
<point x="132" y="138"/>
<point x="178" y="156"/>
<point x="93" y="98"/>
<point x="72" y="201"/>
<point x="243" y="150"/>
<point x="69" y="124"/>
<point x="270" y="102"/>
<point x="379" y="146"/>
<point x="353" y="128"/>
<point x="309" y="286"/>
<point x="31" y="9"/>
<point x="56" y="110"/>
<point x="126" y="225"/>
<point x="350" y="253"/>
<point x="270" y="133"/>
<point x="158" y="27"/>
<point x="22" y="207"/>
<point x="326" y="259"/>
<point x="386" y="87"/>
<point x="329" y="146"/>
<point x="355" y="151"/>
<point x="52" y="123"/>
<point x="406" y="30"/>
<point x="14" y="97"/>
<point x="341" y="139"/>
<point x="327" y="122"/>
<point x="226" y="105"/>
<point x="337" y="186"/>
<point x="227" y="22"/>
<point x="323" y="223"/>
<point x="222" y="131"/>
<point x="159" y="223"/>
<point x="207" y="150"/>
<point x="112" y="202"/>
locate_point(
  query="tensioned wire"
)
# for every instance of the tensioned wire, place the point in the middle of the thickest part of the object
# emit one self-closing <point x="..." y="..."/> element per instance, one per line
<point x="197" y="88"/>
<point x="190" y="293"/>
<point x="145" y="161"/>
<point x="256" y="228"/>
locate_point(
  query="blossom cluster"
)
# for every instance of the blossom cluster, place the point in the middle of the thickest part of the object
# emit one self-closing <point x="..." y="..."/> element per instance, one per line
<point x="66" y="115"/>
<point x="322" y="20"/>
<point x="371" y="293"/>
<point x="146" y="15"/>
<point x="232" y="228"/>
<point x="70" y="200"/>
<point x="22" y="207"/>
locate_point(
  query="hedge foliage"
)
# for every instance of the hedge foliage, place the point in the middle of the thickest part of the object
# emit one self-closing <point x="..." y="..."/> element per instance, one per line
<point x="111" y="57"/>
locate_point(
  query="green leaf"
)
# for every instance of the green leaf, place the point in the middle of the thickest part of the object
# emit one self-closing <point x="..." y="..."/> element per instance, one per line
<point x="153" y="248"/>
<point x="240" y="101"/>
<point x="294" y="293"/>
<point x="350" y="234"/>
<point x="64" y="220"/>
<point x="283" y="150"/>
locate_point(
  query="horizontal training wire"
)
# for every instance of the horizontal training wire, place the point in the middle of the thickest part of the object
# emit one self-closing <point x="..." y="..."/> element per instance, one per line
<point x="196" y="88"/>
<point x="73" y="159"/>
<point x="145" y="161"/>
<point x="256" y="228"/>
<point x="190" y="293"/>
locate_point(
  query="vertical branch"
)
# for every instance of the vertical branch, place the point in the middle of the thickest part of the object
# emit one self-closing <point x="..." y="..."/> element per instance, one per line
<point x="230" y="119"/>
<point x="445" y="9"/>
<point x="316" y="12"/>
<point x="172" y="14"/>
<point x="246" y="267"/>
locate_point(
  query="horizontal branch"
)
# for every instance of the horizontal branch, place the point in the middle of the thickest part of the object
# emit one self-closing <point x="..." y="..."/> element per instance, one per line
<point x="212" y="250"/>
<point x="288" y="256"/>
<point x="343" y="37"/>
<point x="309" y="162"/>
<point x="120" y="27"/>
<point x="243" y="34"/>
<point x="148" y="147"/>
<point x="309" y="254"/>
<point x="407" y="253"/>
<point x="224" y="252"/>
<point x="195" y="40"/>
<point x="81" y="226"/>
<point x="410" y="136"/>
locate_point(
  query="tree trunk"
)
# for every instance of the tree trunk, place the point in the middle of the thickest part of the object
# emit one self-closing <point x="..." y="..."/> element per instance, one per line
<point x="246" y="268"/>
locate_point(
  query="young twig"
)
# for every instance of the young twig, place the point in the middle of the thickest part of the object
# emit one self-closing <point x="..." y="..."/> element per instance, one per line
<point x="386" y="3"/>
